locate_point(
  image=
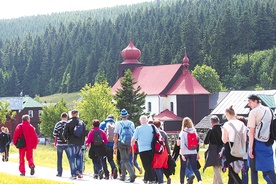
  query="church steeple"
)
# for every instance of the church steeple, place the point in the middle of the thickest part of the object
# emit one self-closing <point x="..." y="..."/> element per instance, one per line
<point x="185" y="60"/>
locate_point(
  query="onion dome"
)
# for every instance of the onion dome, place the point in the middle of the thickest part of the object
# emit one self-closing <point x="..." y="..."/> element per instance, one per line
<point x="131" y="53"/>
<point x="185" y="59"/>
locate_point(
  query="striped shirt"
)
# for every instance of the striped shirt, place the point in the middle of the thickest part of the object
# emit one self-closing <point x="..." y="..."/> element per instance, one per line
<point x="58" y="131"/>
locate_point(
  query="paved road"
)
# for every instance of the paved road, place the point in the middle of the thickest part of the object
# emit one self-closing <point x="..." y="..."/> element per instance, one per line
<point x="50" y="174"/>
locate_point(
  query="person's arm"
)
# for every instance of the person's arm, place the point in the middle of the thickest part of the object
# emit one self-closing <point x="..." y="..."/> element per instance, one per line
<point x="251" y="141"/>
<point x="224" y="136"/>
<point x="207" y="138"/>
<point x="104" y="137"/>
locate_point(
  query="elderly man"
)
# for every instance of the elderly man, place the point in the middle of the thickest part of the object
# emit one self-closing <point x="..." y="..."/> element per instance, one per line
<point x="144" y="134"/>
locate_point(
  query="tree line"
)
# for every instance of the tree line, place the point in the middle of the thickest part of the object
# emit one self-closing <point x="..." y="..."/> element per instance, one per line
<point x="235" y="38"/>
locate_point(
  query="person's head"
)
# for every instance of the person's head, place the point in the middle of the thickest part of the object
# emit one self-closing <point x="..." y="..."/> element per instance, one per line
<point x="253" y="101"/>
<point x="64" y="116"/>
<point x="143" y="119"/>
<point x="96" y="123"/>
<point x="242" y="119"/>
<point x="214" y="120"/>
<point x="74" y="113"/>
<point x="26" y="117"/>
<point x="157" y="123"/>
<point x="187" y="123"/>
<point x="124" y="114"/>
<point x="7" y="130"/>
<point x="230" y="112"/>
<point x="110" y="116"/>
<point x="3" y="129"/>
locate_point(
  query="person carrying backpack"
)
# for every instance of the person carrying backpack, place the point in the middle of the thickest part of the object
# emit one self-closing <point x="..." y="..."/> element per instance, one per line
<point x="233" y="132"/>
<point x="259" y="152"/>
<point x="108" y="125"/>
<point x="60" y="142"/>
<point x="122" y="141"/>
<point x="188" y="149"/>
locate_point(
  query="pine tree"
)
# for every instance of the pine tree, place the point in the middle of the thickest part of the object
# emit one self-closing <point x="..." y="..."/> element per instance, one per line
<point x="130" y="97"/>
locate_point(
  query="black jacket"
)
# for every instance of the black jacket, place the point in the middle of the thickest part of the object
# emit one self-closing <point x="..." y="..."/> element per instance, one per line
<point x="69" y="132"/>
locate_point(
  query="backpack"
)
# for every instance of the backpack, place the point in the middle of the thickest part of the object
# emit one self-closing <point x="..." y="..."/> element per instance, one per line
<point x="192" y="140"/>
<point x="157" y="143"/>
<point x="262" y="130"/>
<point x="238" y="149"/>
<point x="98" y="140"/>
<point x="273" y="126"/>
<point x="109" y="130"/>
<point x="126" y="134"/>
<point x="60" y="132"/>
<point x="78" y="129"/>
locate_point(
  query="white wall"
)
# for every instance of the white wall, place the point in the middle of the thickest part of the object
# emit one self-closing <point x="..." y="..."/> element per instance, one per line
<point x="159" y="104"/>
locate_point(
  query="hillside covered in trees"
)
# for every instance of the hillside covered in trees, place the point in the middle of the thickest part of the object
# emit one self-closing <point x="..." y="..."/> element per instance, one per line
<point x="63" y="52"/>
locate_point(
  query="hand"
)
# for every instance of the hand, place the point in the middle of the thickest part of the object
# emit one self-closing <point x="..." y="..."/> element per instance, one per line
<point x="198" y="157"/>
<point x="183" y="158"/>
<point x="251" y="154"/>
<point x="114" y="148"/>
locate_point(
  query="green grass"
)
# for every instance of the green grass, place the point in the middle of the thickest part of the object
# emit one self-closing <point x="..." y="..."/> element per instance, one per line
<point x="11" y="179"/>
<point x="46" y="156"/>
<point x="68" y="97"/>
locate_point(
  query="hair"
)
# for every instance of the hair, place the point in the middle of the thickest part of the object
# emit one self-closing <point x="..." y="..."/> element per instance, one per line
<point x="3" y="129"/>
<point x="157" y="123"/>
<point x="214" y="119"/>
<point x="187" y="122"/>
<point x="25" y="117"/>
<point x="242" y="119"/>
<point x="230" y="111"/>
<point x="111" y="116"/>
<point x="96" y="123"/>
<point x="143" y="118"/>
<point x="64" y="115"/>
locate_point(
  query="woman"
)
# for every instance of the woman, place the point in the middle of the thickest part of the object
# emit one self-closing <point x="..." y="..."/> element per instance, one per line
<point x="7" y="145"/>
<point x="187" y="154"/>
<point x="228" y="136"/>
<point x="160" y="161"/>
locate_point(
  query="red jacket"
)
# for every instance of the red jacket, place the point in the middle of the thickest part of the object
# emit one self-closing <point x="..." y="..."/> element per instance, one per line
<point x="29" y="134"/>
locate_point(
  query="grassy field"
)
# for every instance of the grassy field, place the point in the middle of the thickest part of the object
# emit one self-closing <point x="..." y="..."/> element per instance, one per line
<point x="46" y="156"/>
<point x="68" y="97"/>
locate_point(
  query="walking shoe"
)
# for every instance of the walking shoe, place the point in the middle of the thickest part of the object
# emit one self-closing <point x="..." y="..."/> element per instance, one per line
<point x="95" y="176"/>
<point x="22" y="174"/>
<point x="169" y="180"/>
<point x="200" y="182"/>
<point x="132" y="178"/>
<point x="101" y="173"/>
<point x="106" y="177"/>
<point x="32" y="170"/>
<point x="191" y="179"/>
<point x="73" y="178"/>
<point x="80" y="175"/>
<point x="58" y="175"/>
<point x="122" y="178"/>
<point x="115" y="173"/>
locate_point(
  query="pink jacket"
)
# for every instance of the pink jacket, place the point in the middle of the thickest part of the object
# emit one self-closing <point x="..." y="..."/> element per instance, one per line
<point x="90" y="137"/>
<point x="29" y="134"/>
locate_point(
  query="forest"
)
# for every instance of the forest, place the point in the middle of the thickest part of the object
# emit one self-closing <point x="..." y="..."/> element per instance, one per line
<point x="62" y="52"/>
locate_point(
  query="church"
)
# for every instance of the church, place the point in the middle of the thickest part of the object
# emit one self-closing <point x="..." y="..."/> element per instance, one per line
<point x="172" y="92"/>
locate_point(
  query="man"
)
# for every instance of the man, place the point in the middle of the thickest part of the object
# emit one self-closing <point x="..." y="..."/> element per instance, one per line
<point x="124" y="127"/>
<point x="144" y="135"/>
<point x="31" y="140"/>
<point x="213" y="138"/>
<point x="60" y="142"/>
<point x="74" y="133"/>
<point x="261" y="153"/>
<point x="108" y="126"/>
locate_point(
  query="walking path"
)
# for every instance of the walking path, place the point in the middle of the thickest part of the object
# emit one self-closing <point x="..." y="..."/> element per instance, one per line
<point x="50" y="174"/>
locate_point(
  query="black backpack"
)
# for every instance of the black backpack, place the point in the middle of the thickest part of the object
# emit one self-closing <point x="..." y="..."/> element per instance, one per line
<point x="98" y="140"/>
<point x="273" y="126"/>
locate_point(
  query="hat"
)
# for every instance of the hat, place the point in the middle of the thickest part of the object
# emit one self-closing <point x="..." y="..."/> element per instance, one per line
<point x="214" y="119"/>
<point x="74" y="111"/>
<point x="124" y="113"/>
<point x="253" y="97"/>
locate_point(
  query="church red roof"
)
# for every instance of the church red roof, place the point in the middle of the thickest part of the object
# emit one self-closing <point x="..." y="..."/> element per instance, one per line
<point x="186" y="84"/>
<point x="153" y="80"/>
<point x="167" y="115"/>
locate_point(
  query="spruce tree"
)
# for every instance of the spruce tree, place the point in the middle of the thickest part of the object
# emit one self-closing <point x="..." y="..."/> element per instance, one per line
<point x="130" y="98"/>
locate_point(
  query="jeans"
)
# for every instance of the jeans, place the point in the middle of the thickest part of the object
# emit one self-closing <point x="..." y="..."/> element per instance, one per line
<point x="60" y="149"/>
<point x="125" y="165"/>
<point x="159" y="174"/>
<point x="109" y="158"/>
<point x="146" y="159"/>
<point x="134" y="160"/>
<point x="97" y="164"/>
<point x="269" y="176"/>
<point x="188" y="172"/>
<point x="75" y="158"/>
<point x="245" y="172"/>
<point x="192" y="159"/>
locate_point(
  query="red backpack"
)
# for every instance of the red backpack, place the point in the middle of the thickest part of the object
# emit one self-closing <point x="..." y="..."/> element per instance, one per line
<point x="192" y="140"/>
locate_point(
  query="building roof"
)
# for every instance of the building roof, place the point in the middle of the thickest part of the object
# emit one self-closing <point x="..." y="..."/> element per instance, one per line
<point x="15" y="102"/>
<point x="30" y="102"/>
<point x="204" y="123"/>
<point x="153" y="80"/>
<point x="216" y="98"/>
<point x="167" y="115"/>
<point x="239" y="101"/>
<point x="186" y="84"/>
<point x="268" y="100"/>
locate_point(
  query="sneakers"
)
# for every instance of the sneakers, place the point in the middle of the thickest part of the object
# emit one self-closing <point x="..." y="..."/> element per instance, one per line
<point x="169" y="180"/>
<point x="132" y="178"/>
<point x="122" y="178"/>
<point x="101" y="173"/>
<point x="73" y="178"/>
<point x="115" y="173"/>
<point x="58" y="175"/>
<point x="95" y="176"/>
<point x="22" y="174"/>
<point x="80" y="175"/>
<point x="106" y="177"/>
<point x="191" y="179"/>
<point x="32" y="170"/>
<point x="200" y="182"/>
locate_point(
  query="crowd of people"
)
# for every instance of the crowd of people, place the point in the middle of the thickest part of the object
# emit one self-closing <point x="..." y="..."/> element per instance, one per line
<point x="233" y="146"/>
